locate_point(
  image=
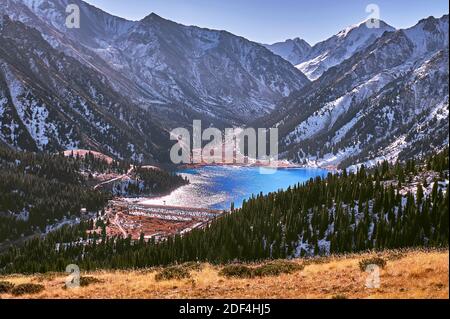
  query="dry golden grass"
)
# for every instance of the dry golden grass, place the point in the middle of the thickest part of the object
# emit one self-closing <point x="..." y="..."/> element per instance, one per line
<point x="408" y="274"/>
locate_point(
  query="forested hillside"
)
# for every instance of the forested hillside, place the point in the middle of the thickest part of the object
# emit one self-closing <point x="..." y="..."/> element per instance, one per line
<point x="150" y="182"/>
<point x="38" y="190"/>
<point x="42" y="190"/>
<point x="391" y="206"/>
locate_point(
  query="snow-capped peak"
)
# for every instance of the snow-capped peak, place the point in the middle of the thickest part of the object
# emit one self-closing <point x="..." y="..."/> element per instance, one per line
<point x="367" y="24"/>
<point x="340" y="47"/>
<point x="292" y="50"/>
<point x="428" y="34"/>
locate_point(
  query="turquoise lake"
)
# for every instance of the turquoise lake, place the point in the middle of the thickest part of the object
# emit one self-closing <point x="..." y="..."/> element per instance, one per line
<point x="216" y="187"/>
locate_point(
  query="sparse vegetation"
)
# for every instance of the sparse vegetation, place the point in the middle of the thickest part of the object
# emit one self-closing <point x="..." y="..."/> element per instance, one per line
<point x="5" y="287"/>
<point x="46" y="276"/>
<point x="237" y="271"/>
<point x="273" y="268"/>
<point x="192" y="265"/>
<point x="88" y="280"/>
<point x="395" y="255"/>
<point x="29" y="288"/>
<point x="178" y="271"/>
<point x="276" y="268"/>
<point x="172" y="272"/>
<point x="419" y="273"/>
<point x="372" y="261"/>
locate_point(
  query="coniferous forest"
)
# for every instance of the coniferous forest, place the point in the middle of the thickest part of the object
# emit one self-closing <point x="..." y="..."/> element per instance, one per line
<point x="39" y="190"/>
<point x="150" y="181"/>
<point x="388" y="206"/>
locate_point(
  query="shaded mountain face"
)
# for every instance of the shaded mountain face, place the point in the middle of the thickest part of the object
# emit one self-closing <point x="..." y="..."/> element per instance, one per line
<point x="389" y="101"/>
<point x="118" y="86"/>
<point x="178" y="72"/>
<point x="50" y="101"/>
<point x="292" y="50"/>
<point x="340" y="47"/>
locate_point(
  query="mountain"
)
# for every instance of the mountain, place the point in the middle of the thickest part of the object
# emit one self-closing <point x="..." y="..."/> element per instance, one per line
<point x="388" y="101"/>
<point x="340" y="47"/>
<point x="176" y="71"/>
<point x="118" y="86"/>
<point x="292" y="50"/>
<point x="50" y="101"/>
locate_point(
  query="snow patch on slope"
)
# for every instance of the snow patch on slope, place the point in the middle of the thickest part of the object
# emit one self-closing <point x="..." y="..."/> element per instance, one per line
<point x="33" y="115"/>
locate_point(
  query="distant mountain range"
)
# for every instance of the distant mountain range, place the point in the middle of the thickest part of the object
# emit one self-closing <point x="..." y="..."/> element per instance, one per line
<point x="314" y="61"/>
<point x="119" y="86"/>
<point x="389" y="100"/>
<point x="165" y="66"/>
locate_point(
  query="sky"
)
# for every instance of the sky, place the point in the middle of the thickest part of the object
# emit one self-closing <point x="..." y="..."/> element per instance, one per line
<point x="269" y="21"/>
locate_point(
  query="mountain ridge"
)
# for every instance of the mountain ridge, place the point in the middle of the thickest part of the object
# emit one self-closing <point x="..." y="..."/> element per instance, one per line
<point x="173" y="74"/>
<point x="311" y="120"/>
<point x="253" y="79"/>
<point x="292" y="50"/>
<point x="339" y="47"/>
<point x="52" y="102"/>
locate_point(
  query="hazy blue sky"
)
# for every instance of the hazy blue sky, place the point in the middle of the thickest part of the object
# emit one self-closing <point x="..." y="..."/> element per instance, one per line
<point x="276" y="20"/>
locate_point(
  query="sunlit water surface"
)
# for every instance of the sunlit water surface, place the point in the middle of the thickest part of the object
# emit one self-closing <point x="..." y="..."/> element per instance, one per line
<point x="216" y="187"/>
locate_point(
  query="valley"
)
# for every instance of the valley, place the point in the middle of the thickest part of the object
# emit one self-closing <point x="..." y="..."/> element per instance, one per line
<point x="211" y="191"/>
<point x="389" y="207"/>
<point x="168" y="160"/>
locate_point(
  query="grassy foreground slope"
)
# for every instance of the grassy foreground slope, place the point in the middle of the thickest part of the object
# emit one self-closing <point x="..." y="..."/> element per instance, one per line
<point x="407" y="274"/>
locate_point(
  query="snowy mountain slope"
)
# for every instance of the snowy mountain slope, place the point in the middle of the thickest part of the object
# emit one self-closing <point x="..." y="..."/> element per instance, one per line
<point x="377" y="104"/>
<point x="171" y="69"/>
<point x="340" y="47"/>
<point x="51" y="102"/>
<point x="374" y="93"/>
<point x="51" y="24"/>
<point x="292" y="50"/>
<point x="213" y="71"/>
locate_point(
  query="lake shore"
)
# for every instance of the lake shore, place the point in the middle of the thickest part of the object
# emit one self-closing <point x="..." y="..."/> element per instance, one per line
<point x="218" y="186"/>
<point x="279" y="165"/>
